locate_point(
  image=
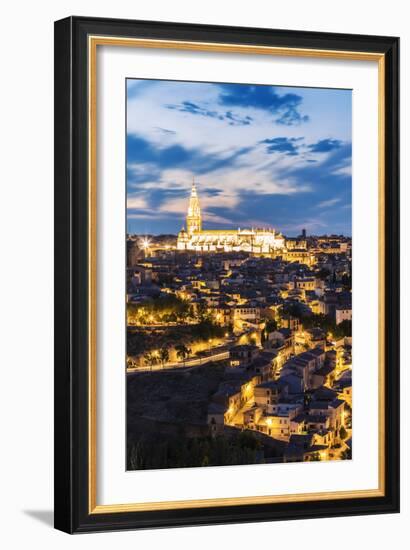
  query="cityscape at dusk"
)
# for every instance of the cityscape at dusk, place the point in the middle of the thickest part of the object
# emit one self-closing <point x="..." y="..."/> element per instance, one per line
<point x="239" y="271"/>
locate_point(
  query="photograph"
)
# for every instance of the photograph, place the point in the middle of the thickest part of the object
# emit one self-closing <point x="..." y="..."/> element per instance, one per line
<point x="227" y="293"/>
<point x="238" y="274"/>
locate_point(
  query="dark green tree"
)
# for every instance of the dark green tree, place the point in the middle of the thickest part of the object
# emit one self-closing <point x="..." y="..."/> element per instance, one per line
<point x="183" y="352"/>
<point x="346" y="454"/>
<point x="163" y="356"/>
<point x="343" y="433"/>
<point x="150" y="359"/>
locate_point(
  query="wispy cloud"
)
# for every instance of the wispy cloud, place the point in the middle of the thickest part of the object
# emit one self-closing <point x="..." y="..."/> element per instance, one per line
<point x="165" y="131"/>
<point x="329" y="202"/>
<point x="136" y="202"/>
<point x="195" y="109"/>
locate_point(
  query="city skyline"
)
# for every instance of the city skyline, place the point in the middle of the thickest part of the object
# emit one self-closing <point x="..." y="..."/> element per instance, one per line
<point x="262" y="156"/>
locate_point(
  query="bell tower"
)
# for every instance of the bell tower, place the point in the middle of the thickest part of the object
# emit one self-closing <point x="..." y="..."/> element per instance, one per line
<point x="193" y="219"/>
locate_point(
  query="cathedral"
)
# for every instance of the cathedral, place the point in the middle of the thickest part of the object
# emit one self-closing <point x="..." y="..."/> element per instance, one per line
<point x="255" y="241"/>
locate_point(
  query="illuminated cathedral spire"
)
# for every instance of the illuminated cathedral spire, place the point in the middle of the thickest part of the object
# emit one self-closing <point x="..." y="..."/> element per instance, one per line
<point x="193" y="219"/>
<point x="265" y="242"/>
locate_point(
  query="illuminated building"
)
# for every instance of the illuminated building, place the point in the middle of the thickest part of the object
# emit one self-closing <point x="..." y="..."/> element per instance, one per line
<point x="194" y="237"/>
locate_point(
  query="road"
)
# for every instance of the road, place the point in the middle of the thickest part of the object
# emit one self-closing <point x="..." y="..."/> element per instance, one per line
<point x="158" y="326"/>
<point x="216" y="354"/>
<point x="194" y="362"/>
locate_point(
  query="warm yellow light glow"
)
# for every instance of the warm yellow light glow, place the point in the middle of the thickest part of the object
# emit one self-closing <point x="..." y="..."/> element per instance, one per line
<point x="145" y="243"/>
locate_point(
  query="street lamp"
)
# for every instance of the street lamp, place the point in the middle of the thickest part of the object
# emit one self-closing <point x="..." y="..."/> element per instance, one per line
<point x="145" y="243"/>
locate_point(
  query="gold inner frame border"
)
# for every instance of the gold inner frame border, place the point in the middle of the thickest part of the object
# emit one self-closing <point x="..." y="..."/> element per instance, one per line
<point x="93" y="43"/>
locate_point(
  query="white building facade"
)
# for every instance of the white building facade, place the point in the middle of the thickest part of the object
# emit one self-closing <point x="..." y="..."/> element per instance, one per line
<point x="253" y="240"/>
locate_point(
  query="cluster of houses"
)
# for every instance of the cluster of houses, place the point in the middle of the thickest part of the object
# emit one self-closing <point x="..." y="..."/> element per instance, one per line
<point x="298" y="400"/>
<point x="294" y="383"/>
<point x="239" y="289"/>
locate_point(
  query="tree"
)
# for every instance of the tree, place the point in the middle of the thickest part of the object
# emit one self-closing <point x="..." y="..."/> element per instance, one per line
<point x="294" y="309"/>
<point x="343" y="433"/>
<point x="202" y="312"/>
<point x="271" y="326"/>
<point x="163" y="356"/>
<point x="343" y="329"/>
<point x="315" y="457"/>
<point x="183" y="352"/>
<point x="150" y="359"/>
<point x="131" y="363"/>
<point x="318" y="320"/>
<point x="168" y="309"/>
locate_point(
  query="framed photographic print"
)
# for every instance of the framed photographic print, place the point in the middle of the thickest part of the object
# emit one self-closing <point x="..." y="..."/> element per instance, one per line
<point x="226" y="274"/>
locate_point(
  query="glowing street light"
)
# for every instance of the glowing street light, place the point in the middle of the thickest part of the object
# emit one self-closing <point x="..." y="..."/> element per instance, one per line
<point x="145" y="243"/>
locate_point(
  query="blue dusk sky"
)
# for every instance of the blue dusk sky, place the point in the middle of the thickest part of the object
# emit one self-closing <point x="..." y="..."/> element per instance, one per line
<point x="261" y="156"/>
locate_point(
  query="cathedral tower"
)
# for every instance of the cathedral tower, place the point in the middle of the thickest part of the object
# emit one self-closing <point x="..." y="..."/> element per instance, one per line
<point x="193" y="219"/>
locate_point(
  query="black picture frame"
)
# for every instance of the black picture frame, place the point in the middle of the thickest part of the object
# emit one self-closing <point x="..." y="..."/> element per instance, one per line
<point x="72" y="276"/>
